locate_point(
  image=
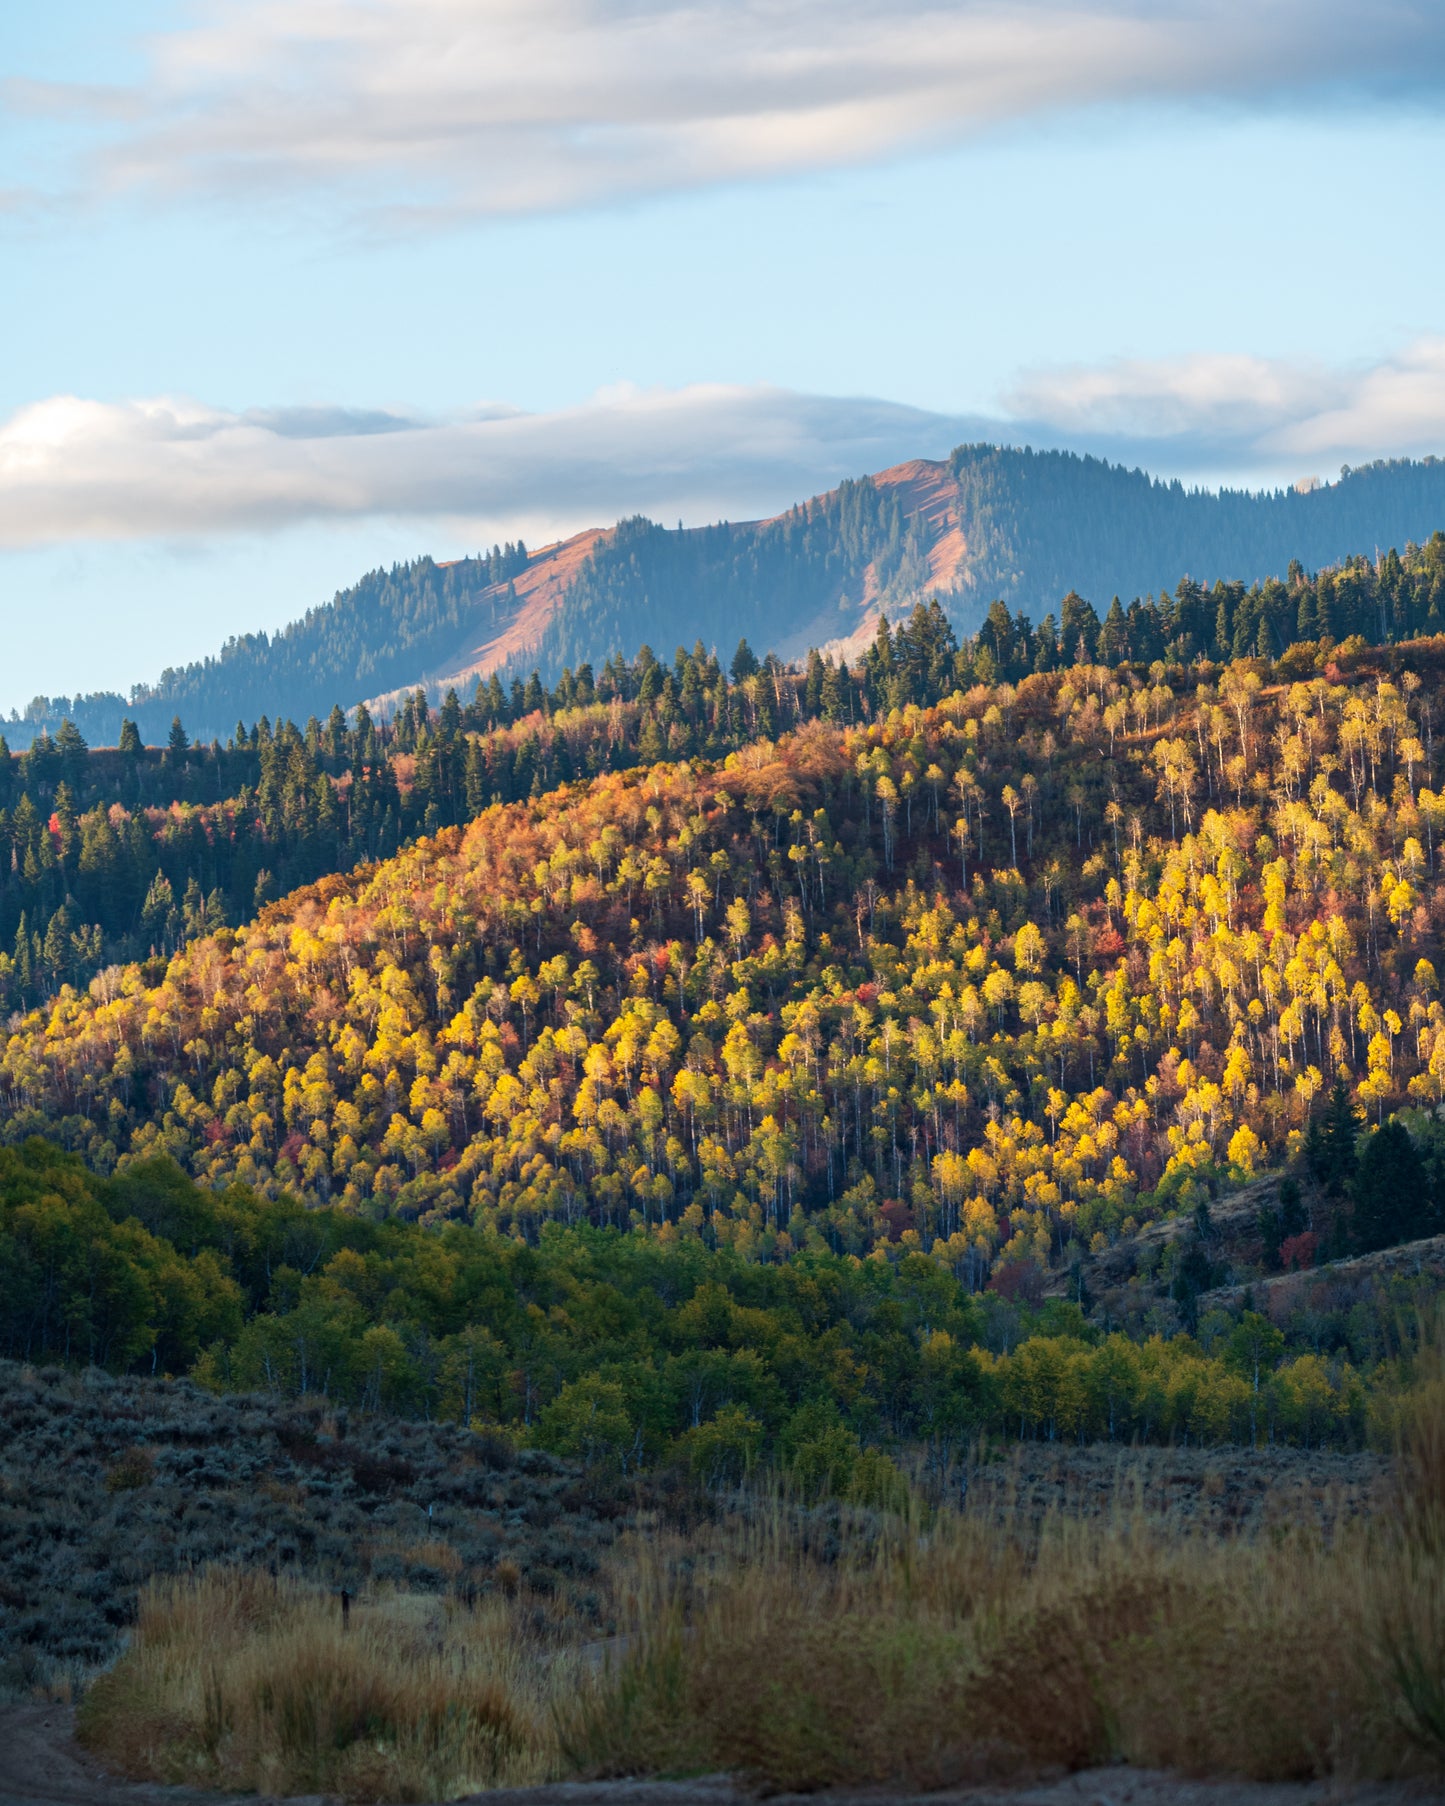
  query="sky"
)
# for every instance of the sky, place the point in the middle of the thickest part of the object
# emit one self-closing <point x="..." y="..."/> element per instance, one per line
<point x="293" y="288"/>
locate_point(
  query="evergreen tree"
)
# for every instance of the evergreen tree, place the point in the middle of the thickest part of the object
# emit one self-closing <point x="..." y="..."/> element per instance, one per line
<point x="24" y="971"/>
<point x="336" y="733"/>
<point x="1391" y="1191"/>
<point x="1330" y="1145"/>
<point x="73" y="753"/>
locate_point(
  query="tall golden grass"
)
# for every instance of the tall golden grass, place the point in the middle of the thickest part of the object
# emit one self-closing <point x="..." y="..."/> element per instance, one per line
<point x="934" y="1651"/>
<point x="837" y="1648"/>
<point x="967" y="1651"/>
<point x="235" y="1681"/>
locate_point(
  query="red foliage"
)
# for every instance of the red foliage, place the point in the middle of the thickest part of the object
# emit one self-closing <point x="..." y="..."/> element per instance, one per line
<point x="1021" y="1282"/>
<point x="897" y="1215"/>
<point x="1298" y="1251"/>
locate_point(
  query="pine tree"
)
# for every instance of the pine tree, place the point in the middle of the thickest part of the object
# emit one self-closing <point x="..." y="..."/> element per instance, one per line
<point x="24" y="971"/>
<point x="74" y="754"/>
<point x="1392" y="1195"/>
<point x="57" y="950"/>
<point x="336" y="733"/>
<point x="1330" y="1145"/>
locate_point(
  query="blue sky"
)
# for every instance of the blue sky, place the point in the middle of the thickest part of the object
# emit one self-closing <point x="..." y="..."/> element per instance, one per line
<point x="291" y="290"/>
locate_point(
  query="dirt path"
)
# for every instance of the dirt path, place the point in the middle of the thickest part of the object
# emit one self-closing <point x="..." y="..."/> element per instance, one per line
<point x="1094" y="1787"/>
<point x="41" y="1765"/>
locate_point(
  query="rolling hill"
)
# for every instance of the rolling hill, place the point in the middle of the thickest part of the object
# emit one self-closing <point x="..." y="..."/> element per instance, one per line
<point x="987" y="523"/>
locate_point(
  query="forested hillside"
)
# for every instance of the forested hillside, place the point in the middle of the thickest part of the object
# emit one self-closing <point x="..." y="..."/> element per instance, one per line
<point x="381" y="633"/>
<point x="1001" y="977"/>
<point x="1041" y="523"/>
<point x="802" y="579"/>
<point x="1027" y="527"/>
<point x="109" y="856"/>
<point x="988" y="524"/>
<point x="723" y="1065"/>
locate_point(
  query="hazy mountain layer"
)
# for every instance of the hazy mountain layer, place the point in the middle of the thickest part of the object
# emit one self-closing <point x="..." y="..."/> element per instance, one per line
<point x="985" y="524"/>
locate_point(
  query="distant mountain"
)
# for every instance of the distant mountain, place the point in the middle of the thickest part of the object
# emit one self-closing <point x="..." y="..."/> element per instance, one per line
<point x="987" y="523"/>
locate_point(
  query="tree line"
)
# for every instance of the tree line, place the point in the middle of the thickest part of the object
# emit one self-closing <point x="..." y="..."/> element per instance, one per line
<point x="631" y="1351"/>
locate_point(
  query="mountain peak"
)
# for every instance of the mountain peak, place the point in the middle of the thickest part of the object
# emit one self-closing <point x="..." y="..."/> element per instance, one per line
<point x="987" y="523"/>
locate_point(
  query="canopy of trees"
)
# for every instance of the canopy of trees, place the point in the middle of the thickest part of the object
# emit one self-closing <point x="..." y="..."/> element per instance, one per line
<point x="618" y="1347"/>
<point x="998" y="978"/>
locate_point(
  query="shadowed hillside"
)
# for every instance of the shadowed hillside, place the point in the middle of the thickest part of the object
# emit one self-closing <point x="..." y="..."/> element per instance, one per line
<point x="986" y="524"/>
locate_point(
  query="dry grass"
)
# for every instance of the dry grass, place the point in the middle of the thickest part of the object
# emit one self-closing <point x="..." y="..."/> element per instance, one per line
<point x="828" y="1648"/>
<point x="1304" y="1640"/>
<point x="966" y="1652"/>
<point x="814" y="1650"/>
<point x="978" y="1646"/>
<point x="803" y="1649"/>
<point x="235" y="1682"/>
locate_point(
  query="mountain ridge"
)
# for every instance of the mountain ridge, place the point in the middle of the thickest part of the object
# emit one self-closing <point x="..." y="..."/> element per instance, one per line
<point x="988" y="523"/>
<point x="928" y="492"/>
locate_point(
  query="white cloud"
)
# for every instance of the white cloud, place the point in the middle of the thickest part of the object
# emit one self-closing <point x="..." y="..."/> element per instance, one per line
<point x="172" y="468"/>
<point x="456" y="107"/>
<point x="1249" y="415"/>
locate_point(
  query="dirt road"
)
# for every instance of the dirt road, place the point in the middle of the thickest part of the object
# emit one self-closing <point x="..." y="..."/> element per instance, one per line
<point x="41" y="1765"/>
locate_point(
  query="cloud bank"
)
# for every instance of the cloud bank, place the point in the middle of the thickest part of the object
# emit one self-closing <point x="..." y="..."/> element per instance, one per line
<point x="1271" y="416"/>
<point x="455" y="108"/>
<point x="172" y="468"/>
<point x="74" y="470"/>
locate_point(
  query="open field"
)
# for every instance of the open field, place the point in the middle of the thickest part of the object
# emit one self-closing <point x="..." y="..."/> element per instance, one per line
<point x="830" y="1650"/>
<point x="1218" y="1490"/>
<point x="105" y="1483"/>
<point x="514" y="1624"/>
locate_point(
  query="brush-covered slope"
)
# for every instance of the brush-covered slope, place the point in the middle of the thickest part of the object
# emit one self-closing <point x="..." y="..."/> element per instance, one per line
<point x="1003" y="977"/>
<point x="988" y="523"/>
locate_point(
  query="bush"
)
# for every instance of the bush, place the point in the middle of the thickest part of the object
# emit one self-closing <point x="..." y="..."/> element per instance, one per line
<point x="912" y="1655"/>
<point x="135" y="1469"/>
<point x="105" y="1483"/>
<point x="235" y="1681"/>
